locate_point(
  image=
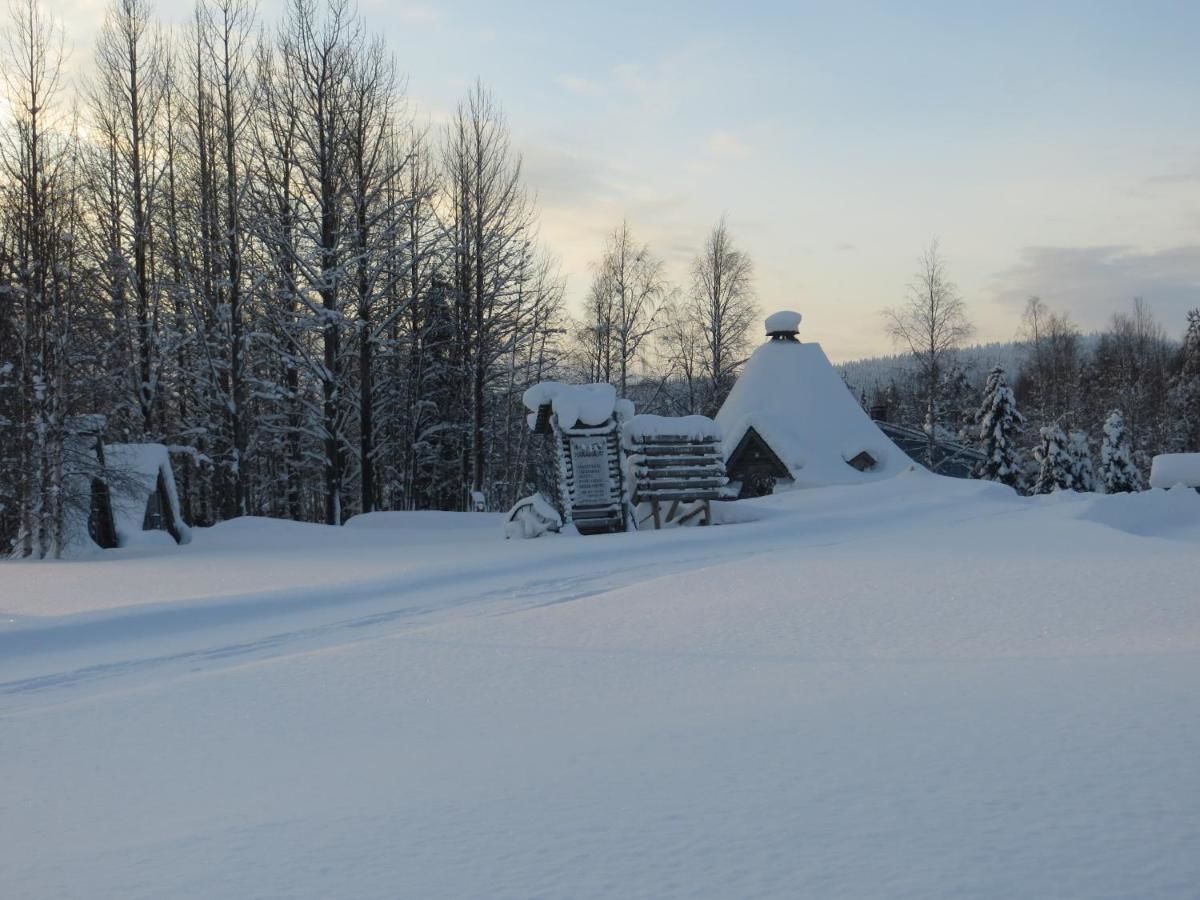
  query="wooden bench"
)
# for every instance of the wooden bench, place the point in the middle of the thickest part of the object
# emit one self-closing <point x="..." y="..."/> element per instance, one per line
<point x="677" y="469"/>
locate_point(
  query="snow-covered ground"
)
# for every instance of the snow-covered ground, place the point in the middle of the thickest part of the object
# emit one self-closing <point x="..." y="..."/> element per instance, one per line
<point x="915" y="688"/>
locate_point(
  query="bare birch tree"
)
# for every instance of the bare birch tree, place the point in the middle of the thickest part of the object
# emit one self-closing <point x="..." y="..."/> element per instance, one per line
<point x="723" y="305"/>
<point x="628" y="291"/>
<point x="931" y="324"/>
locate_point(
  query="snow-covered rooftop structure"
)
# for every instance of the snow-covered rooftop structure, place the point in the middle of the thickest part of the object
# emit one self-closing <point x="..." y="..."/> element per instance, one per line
<point x="791" y="418"/>
<point x="586" y="406"/>
<point x="141" y="484"/>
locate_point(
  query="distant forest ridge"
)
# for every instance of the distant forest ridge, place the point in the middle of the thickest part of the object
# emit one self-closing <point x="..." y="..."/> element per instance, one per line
<point x="875" y="372"/>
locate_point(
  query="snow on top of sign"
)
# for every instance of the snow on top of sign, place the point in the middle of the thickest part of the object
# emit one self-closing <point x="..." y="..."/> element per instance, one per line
<point x="540" y="394"/>
<point x="589" y="404"/>
<point x="793" y="397"/>
<point x="785" y="321"/>
<point x="692" y="428"/>
<point x="1170" y="469"/>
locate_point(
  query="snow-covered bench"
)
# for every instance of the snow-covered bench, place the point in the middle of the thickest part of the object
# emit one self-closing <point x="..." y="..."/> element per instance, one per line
<point x="676" y="461"/>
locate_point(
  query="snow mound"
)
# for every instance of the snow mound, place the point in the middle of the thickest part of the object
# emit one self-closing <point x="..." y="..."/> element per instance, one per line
<point x="793" y="397"/>
<point x="1173" y="513"/>
<point x="574" y="404"/>
<point x="1170" y="469"/>
<point x="979" y="694"/>
<point x="422" y="520"/>
<point x="532" y="517"/>
<point x="692" y="428"/>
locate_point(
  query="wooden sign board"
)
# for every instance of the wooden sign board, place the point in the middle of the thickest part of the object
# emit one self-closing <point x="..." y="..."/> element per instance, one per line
<point x="590" y="462"/>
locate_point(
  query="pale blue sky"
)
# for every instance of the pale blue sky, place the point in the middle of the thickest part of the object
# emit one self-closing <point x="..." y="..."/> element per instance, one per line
<point x="1053" y="148"/>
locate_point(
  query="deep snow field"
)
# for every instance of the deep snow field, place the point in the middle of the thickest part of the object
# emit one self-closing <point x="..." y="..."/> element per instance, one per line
<point x="919" y="688"/>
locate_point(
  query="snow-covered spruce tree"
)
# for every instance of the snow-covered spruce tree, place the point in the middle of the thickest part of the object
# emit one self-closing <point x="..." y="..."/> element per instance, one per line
<point x="999" y="423"/>
<point x="1054" y="462"/>
<point x="1083" y="476"/>
<point x="1117" y="471"/>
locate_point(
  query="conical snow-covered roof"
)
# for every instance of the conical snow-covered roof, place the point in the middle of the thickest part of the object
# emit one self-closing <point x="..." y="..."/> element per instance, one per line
<point x="791" y="395"/>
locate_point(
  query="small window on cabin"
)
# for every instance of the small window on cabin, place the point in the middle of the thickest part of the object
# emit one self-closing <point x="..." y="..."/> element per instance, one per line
<point x="864" y="462"/>
<point x="153" y="519"/>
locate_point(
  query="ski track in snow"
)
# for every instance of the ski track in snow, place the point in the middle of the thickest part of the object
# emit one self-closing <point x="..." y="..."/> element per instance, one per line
<point x="913" y="689"/>
<point x="322" y="609"/>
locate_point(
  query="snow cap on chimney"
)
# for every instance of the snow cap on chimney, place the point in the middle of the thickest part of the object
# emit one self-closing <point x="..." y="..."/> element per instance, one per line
<point x="783" y="325"/>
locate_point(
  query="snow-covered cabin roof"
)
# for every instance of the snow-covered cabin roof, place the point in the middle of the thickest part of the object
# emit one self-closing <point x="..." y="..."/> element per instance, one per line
<point x="792" y="396"/>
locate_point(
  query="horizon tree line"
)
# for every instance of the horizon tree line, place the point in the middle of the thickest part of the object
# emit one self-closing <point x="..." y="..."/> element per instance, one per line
<point x="239" y="240"/>
<point x="1122" y="396"/>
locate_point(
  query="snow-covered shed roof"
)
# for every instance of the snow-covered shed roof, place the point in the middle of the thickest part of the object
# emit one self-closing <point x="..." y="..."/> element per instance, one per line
<point x="792" y="396"/>
<point x="1170" y="469"/>
<point x="133" y="473"/>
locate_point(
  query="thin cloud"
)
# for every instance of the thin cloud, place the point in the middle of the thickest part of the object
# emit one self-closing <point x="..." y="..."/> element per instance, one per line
<point x="565" y="177"/>
<point x="1188" y="177"/>
<point x="1092" y="283"/>
<point x="1189" y="174"/>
